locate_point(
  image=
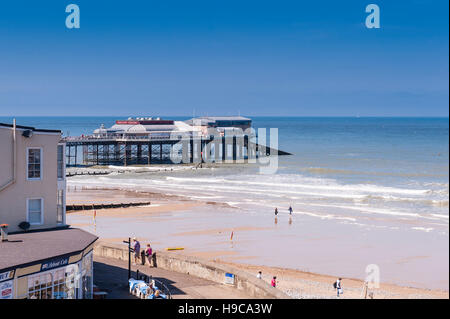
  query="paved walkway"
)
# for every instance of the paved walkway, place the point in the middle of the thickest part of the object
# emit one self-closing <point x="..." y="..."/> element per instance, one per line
<point x="111" y="275"/>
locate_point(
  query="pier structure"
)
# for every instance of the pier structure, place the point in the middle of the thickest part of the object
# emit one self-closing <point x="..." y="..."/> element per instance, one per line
<point x="146" y="141"/>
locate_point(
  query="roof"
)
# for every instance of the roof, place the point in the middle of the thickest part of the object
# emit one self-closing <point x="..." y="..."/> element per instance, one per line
<point x="30" y="128"/>
<point x="204" y="120"/>
<point x="32" y="247"/>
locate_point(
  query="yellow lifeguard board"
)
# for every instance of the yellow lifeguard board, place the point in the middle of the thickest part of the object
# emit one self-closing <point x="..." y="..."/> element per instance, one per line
<point x="174" y="248"/>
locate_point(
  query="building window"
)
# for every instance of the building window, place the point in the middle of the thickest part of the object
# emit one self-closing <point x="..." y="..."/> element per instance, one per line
<point x="60" y="206"/>
<point x="55" y="284"/>
<point x="34" y="163"/>
<point x="40" y="286"/>
<point x="35" y="208"/>
<point x="60" y="155"/>
<point x="87" y="274"/>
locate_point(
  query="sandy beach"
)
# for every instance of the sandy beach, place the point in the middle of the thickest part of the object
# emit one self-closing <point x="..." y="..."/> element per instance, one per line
<point x="212" y="231"/>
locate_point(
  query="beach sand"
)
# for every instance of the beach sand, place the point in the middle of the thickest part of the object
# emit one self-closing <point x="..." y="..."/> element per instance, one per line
<point x="172" y="221"/>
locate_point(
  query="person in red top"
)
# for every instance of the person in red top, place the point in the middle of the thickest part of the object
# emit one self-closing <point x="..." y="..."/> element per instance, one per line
<point x="149" y="253"/>
<point x="274" y="282"/>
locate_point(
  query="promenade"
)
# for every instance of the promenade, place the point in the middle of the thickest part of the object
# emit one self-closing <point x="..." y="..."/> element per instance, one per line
<point x="111" y="275"/>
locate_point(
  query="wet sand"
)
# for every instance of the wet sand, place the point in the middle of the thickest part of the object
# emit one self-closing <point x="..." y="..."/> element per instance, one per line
<point x="205" y="231"/>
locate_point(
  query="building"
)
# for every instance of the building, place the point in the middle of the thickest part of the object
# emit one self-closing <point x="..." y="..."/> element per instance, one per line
<point x="147" y="140"/>
<point x="32" y="178"/>
<point x="38" y="250"/>
<point x="222" y="124"/>
<point x="48" y="264"/>
<point x="144" y="127"/>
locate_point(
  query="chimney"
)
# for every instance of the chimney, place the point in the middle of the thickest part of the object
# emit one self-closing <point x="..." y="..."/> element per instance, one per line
<point x="4" y="231"/>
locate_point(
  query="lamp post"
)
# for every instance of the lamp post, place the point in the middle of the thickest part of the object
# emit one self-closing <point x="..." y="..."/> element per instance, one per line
<point x="129" y="256"/>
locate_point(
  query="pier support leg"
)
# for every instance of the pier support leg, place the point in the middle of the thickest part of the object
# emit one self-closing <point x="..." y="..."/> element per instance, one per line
<point x="96" y="154"/>
<point x="224" y="149"/>
<point x="192" y="150"/>
<point x="139" y="154"/>
<point x="234" y="149"/>
<point x="149" y="154"/>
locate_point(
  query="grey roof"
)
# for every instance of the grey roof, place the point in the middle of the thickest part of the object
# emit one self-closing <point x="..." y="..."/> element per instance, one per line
<point x="31" y="247"/>
<point x="203" y="120"/>
<point x="30" y="128"/>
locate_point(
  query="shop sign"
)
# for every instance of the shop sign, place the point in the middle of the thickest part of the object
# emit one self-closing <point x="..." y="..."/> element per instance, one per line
<point x="7" y="275"/>
<point x="55" y="263"/>
<point x="7" y="289"/>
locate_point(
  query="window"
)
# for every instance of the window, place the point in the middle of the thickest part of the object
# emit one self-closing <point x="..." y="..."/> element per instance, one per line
<point x="60" y="206"/>
<point x="60" y="164"/>
<point x="87" y="274"/>
<point x="54" y="284"/>
<point x="34" y="163"/>
<point x="34" y="207"/>
<point x="40" y="286"/>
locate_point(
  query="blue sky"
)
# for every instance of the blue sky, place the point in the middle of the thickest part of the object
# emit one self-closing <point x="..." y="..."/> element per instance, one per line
<point x="303" y="58"/>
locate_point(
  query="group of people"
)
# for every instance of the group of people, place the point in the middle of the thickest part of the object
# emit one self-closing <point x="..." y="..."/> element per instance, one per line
<point x="273" y="282"/>
<point x="290" y="215"/>
<point x="289" y="209"/>
<point x="148" y="252"/>
<point x="337" y="285"/>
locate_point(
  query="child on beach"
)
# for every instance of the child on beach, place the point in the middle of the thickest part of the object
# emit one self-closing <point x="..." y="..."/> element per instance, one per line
<point x="273" y="283"/>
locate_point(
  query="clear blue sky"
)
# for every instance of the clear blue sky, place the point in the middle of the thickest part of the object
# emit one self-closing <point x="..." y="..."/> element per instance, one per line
<point x="305" y="58"/>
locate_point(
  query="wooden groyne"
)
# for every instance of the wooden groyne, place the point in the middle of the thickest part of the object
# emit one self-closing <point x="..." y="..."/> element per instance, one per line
<point x="76" y="173"/>
<point x="103" y="206"/>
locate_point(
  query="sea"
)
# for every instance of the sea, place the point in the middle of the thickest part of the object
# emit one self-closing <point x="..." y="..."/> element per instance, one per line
<point x="387" y="177"/>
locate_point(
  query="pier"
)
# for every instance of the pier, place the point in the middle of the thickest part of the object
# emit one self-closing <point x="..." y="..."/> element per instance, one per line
<point x="147" y="151"/>
<point x="146" y="141"/>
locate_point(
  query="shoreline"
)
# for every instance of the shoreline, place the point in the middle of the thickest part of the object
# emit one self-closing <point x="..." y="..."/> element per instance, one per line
<point x="293" y="281"/>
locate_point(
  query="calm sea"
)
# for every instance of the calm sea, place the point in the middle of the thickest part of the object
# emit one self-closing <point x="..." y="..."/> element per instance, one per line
<point x="397" y="167"/>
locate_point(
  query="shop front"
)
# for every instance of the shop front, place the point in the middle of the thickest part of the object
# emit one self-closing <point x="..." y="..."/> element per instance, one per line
<point x="66" y="276"/>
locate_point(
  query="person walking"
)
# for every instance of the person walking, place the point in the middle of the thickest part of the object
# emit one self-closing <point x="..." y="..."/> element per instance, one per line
<point x="149" y="253"/>
<point x="338" y="286"/>
<point x="276" y="211"/>
<point x="136" y="249"/>
<point x="273" y="283"/>
<point x="259" y="275"/>
<point x="290" y="210"/>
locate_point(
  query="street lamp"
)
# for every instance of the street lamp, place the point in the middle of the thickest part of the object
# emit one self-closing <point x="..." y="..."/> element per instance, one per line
<point x="129" y="256"/>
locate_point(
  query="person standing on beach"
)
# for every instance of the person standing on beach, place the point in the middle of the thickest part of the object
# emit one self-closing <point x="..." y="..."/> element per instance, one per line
<point x="276" y="211"/>
<point x="290" y="210"/>
<point x="273" y="283"/>
<point x="136" y="249"/>
<point x="338" y="286"/>
<point x="259" y="275"/>
<point x="149" y="253"/>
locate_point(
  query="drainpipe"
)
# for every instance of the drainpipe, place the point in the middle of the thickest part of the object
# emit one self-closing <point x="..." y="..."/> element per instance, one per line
<point x="13" y="180"/>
